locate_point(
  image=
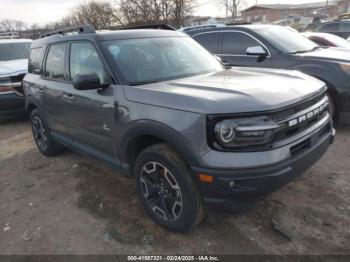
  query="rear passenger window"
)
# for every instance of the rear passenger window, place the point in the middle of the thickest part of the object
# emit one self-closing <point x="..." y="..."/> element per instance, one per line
<point x="237" y="43"/>
<point x="84" y="59"/>
<point x="210" y="41"/>
<point x="332" y="27"/>
<point x="54" y="68"/>
<point x="35" y="61"/>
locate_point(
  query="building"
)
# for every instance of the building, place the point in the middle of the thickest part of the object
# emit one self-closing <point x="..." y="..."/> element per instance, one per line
<point x="268" y="13"/>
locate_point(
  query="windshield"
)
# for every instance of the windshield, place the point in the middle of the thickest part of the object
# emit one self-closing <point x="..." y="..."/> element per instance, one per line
<point x="286" y="40"/>
<point x="14" y="51"/>
<point x="159" y="59"/>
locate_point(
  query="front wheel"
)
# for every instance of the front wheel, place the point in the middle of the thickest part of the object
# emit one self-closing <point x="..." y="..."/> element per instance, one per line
<point x="167" y="189"/>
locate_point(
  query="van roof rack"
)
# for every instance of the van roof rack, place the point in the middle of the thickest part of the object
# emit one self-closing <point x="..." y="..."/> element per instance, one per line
<point x="80" y="29"/>
<point x="155" y="26"/>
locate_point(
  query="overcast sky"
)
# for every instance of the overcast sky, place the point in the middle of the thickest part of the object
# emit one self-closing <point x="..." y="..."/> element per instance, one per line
<point x="46" y="11"/>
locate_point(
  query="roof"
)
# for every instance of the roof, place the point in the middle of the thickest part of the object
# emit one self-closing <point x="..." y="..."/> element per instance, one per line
<point x="12" y="41"/>
<point x="291" y="6"/>
<point x="108" y="35"/>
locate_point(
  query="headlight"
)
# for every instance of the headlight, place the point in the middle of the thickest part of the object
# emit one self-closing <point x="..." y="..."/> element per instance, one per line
<point x="244" y="132"/>
<point x="345" y="68"/>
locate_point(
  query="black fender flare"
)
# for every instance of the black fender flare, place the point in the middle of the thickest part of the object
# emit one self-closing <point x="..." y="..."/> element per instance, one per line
<point x="158" y="130"/>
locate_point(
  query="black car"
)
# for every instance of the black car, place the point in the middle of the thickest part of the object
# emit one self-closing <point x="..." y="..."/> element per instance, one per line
<point x="339" y="28"/>
<point x="277" y="47"/>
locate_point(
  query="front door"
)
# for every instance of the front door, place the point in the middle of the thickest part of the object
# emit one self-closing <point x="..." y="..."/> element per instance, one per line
<point x="234" y="50"/>
<point x="90" y="113"/>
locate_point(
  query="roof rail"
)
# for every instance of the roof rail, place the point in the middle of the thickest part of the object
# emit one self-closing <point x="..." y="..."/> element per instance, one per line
<point x="155" y="26"/>
<point x="80" y="29"/>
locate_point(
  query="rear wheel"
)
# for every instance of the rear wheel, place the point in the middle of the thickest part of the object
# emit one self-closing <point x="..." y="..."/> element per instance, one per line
<point x="167" y="189"/>
<point x="42" y="137"/>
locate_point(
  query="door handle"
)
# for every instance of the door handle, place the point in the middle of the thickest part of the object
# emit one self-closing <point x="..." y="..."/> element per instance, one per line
<point x="69" y="97"/>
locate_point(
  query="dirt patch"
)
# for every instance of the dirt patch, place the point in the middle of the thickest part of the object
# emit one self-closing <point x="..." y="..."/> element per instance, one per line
<point x="71" y="204"/>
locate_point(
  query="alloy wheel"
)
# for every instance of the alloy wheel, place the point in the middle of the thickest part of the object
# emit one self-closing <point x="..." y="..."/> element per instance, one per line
<point x="39" y="132"/>
<point x="161" y="191"/>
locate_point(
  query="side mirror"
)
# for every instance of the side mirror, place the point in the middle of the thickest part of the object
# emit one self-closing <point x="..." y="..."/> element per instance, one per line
<point x="86" y="81"/>
<point x="256" y="51"/>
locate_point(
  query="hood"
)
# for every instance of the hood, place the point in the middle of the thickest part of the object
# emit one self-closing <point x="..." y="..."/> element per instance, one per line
<point x="238" y="90"/>
<point x="13" y="67"/>
<point x="329" y="54"/>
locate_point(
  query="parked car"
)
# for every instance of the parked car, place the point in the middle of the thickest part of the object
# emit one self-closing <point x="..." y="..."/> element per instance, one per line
<point x="324" y="39"/>
<point x="338" y="27"/>
<point x="14" y="55"/>
<point x="158" y="106"/>
<point x="271" y="46"/>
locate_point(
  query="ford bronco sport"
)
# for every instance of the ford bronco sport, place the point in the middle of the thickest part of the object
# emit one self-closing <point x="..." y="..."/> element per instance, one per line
<point x="158" y="106"/>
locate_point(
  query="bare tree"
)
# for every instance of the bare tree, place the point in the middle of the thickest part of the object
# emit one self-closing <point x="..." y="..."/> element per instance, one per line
<point x="12" y="25"/>
<point x="100" y="14"/>
<point x="154" y="11"/>
<point x="231" y="6"/>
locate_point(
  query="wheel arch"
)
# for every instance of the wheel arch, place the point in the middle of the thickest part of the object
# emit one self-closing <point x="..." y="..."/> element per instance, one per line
<point x="143" y="134"/>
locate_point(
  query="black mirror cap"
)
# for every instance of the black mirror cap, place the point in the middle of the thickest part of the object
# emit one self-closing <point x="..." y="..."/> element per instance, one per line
<point x="86" y="81"/>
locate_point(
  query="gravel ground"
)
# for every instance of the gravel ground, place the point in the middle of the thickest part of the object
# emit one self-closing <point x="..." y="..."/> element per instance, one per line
<point x="72" y="204"/>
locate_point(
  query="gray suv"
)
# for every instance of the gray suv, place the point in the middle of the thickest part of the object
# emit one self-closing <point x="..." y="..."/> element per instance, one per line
<point x="157" y="106"/>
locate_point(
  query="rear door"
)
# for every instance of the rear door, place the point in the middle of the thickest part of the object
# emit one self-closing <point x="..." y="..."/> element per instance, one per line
<point x="52" y="85"/>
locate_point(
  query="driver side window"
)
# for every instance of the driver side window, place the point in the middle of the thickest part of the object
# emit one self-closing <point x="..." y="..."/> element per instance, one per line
<point x="84" y="59"/>
<point x="236" y="43"/>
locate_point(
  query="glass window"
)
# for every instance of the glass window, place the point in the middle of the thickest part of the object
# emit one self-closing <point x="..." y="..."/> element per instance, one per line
<point x="55" y="68"/>
<point x="84" y="59"/>
<point x="14" y="51"/>
<point x="237" y="43"/>
<point x="344" y="27"/>
<point x="142" y="61"/>
<point x="285" y="39"/>
<point x="331" y="27"/>
<point x="35" y="61"/>
<point x="209" y="41"/>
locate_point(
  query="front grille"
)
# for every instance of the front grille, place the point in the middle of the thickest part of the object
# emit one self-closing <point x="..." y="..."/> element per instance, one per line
<point x="289" y="111"/>
<point x="17" y="78"/>
<point x="303" y="117"/>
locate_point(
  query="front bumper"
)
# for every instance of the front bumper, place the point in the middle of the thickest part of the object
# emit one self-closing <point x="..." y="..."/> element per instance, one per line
<point x="11" y="106"/>
<point x="238" y="190"/>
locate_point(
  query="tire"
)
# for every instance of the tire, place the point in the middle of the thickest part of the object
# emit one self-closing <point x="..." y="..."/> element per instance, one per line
<point x="42" y="137"/>
<point x="167" y="188"/>
<point x="331" y="107"/>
